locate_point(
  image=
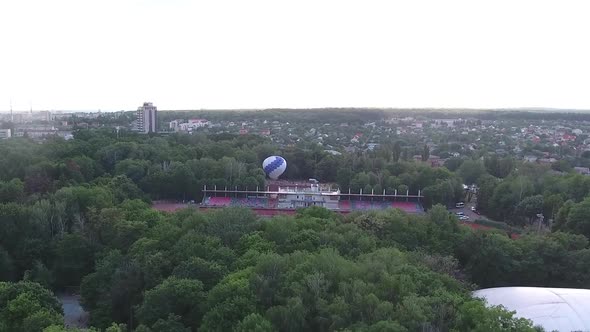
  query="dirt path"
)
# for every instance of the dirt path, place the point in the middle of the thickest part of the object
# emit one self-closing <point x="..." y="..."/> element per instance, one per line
<point x="74" y="314"/>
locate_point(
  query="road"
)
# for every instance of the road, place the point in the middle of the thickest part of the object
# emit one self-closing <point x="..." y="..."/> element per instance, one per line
<point x="74" y="314"/>
<point x="467" y="211"/>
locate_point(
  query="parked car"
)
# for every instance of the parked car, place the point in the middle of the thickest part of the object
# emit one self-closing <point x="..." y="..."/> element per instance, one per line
<point x="473" y="208"/>
<point x="464" y="218"/>
<point x="460" y="205"/>
<point x="460" y="213"/>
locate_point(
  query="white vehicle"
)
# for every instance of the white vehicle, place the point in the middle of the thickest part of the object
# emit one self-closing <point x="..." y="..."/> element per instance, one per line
<point x="464" y="218"/>
<point x="460" y="205"/>
<point x="473" y="208"/>
<point x="459" y="213"/>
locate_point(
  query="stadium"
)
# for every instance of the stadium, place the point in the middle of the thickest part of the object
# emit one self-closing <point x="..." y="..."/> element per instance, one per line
<point x="285" y="197"/>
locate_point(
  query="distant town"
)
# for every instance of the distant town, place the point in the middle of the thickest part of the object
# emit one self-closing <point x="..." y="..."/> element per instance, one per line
<point x="543" y="140"/>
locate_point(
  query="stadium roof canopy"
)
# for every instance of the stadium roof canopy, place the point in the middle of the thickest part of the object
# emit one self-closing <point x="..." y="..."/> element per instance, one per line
<point x="554" y="309"/>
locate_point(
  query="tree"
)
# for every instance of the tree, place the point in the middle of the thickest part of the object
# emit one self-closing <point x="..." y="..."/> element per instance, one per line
<point x="60" y="328"/>
<point x="499" y="167"/>
<point x="561" y="166"/>
<point x="491" y="259"/>
<point x="471" y="171"/>
<point x="530" y="207"/>
<point x="231" y="299"/>
<point x="445" y="192"/>
<point x="182" y="181"/>
<point x="179" y="297"/>
<point x="40" y="274"/>
<point x="406" y="155"/>
<point x="254" y="323"/>
<point x="578" y="187"/>
<point x="92" y="289"/>
<point x="378" y="189"/>
<point x="170" y="324"/>
<point x="551" y="205"/>
<point x="41" y="319"/>
<point x="577" y="219"/>
<point x="452" y="164"/>
<point x="27" y="306"/>
<point x="425" y="153"/>
<point x="234" y="170"/>
<point x="358" y="182"/>
<point x="231" y="223"/>
<point x="474" y="316"/>
<point x="133" y="169"/>
<point x="507" y="195"/>
<point x="126" y="288"/>
<point x="50" y="216"/>
<point x="116" y="328"/>
<point x="73" y="260"/>
<point x="387" y="326"/>
<point x="86" y="167"/>
<point x="6" y="266"/>
<point x="210" y="273"/>
<point x="343" y="176"/>
<point x="11" y="191"/>
<point x="39" y="178"/>
<point x="194" y="244"/>
<point x="486" y="185"/>
<point x="396" y="151"/>
<point x="123" y="189"/>
<point x="402" y="189"/>
<point x="327" y="169"/>
<point x="562" y="215"/>
<point x="439" y="214"/>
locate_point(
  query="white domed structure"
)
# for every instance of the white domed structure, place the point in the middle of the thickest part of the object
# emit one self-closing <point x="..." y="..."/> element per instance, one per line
<point x="554" y="309"/>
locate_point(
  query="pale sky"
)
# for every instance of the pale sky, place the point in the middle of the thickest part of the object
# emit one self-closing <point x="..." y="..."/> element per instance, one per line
<point x="180" y="54"/>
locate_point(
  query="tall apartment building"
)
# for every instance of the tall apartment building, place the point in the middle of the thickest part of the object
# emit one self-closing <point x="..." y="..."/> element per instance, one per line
<point x="147" y="118"/>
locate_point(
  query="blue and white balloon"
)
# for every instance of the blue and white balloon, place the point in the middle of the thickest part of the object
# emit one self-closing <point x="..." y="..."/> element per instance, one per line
<point x="274" y="166"/>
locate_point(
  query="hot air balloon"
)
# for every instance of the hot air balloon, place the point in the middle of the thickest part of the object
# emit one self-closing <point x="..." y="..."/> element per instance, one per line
<point x="274" y="166"/>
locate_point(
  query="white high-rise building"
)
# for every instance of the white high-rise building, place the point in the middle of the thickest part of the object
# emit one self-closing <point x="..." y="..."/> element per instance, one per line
<point x="147" y="118"/>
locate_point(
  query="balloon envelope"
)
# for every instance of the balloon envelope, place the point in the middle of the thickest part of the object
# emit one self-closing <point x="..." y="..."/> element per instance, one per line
<point x="274" y="166"/>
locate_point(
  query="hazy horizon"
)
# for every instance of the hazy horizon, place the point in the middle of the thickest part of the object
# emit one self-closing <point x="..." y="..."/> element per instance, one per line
<point x="229" y="54"/>
<point x="408" y="109"/>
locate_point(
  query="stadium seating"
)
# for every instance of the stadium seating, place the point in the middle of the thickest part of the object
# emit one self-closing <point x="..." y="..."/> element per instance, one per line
<point x="410" y="207"/>
<point x="344" y="205"/>
<point x="368" y="205"/>
<point x="254" y="202"/>
<point x="353" y="205"/>
<point x="219" y="201"/>
<point x="243" y="202"/>
<point x="363" y="205"/>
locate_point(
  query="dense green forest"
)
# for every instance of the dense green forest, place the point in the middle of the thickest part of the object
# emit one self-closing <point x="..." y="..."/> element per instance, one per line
<point x="76" y="215"/>
<point x="177" y="166"/>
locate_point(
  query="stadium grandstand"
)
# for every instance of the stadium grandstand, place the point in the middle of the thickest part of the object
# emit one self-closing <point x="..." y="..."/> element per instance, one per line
<point x="289" y="196"/>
